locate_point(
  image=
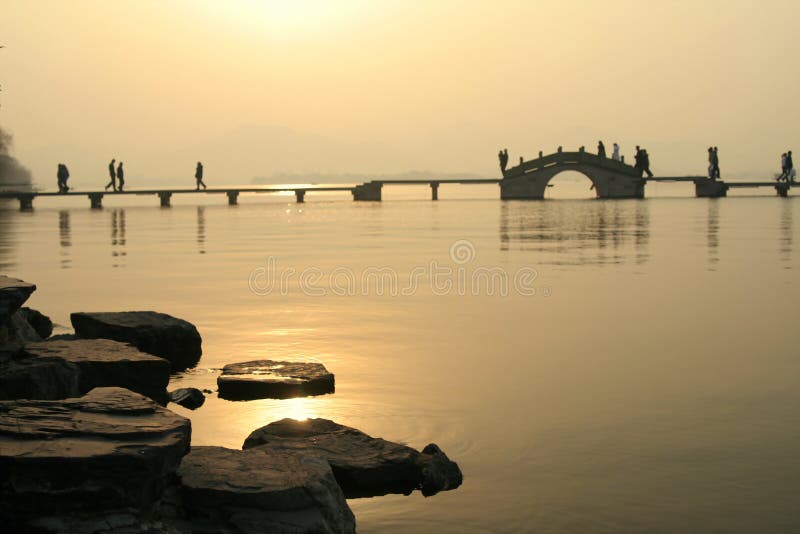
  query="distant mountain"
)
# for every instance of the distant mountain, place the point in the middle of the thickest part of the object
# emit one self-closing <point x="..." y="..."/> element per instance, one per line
<point x="356" y="178"/>
<point x="267" y="151"/>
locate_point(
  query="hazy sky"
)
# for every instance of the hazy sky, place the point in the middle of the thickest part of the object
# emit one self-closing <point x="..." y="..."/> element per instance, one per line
<point x="256" y="87"/>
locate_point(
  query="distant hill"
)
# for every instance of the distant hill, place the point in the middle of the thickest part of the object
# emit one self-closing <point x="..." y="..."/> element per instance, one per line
<point x="356" y="178"/>
<point x="270" y="151"/>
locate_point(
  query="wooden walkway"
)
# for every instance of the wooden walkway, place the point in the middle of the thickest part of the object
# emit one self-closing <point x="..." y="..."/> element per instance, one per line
<point x="366" y="191"/>
<point x="26" y="198"/>
<point x="165" y="195"/>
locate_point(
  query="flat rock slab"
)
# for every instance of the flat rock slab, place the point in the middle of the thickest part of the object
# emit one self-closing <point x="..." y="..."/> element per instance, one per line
<point x="107" y="450"/>
<point x="363" y="466"/>
<point x="69" y="368"/>
<point x="270" y="379"/>
<point x="252" y="492"/>
<point x="13" y="294"/>
<point x="155" y="333"/>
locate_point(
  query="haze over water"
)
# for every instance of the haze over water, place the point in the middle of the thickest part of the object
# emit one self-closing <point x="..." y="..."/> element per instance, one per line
<point x="638" y="371"/>
<point x="651" y="383"/>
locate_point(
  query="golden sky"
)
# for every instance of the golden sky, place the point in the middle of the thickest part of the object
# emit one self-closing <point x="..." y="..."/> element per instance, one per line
<point x="254" y="87"/>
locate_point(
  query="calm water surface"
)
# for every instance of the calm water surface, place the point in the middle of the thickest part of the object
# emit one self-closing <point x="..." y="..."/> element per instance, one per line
<point x="650" y="384"/>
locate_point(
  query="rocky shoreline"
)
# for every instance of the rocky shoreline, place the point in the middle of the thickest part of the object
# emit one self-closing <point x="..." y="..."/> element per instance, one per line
<point x="87" y="444"/>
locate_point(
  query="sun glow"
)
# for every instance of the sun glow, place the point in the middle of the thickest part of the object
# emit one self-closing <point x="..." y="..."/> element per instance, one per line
<point x="287" y="19"/>
<point x="301" y="408"/>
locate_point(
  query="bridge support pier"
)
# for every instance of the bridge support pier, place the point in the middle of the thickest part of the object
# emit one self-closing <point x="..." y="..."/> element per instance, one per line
<point x="233" y="198"/>
<point x="96" y="201"/>
<point x="434" y="190"/>
<point x="164" y="196"/>
<point x="300" y="194"/>
<point x="708" y="188"/>
<point x="782" y="189"/>
<point x="369" y="191"/>
<point x="25" y="202"/>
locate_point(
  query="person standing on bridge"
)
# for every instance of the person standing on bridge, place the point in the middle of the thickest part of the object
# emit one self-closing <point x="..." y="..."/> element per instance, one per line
<point x="601" y="149"/>
<point x="615" y="152"/>
<point x="716" y="163"/>
<point x="120" y="177"/>
<point x="789" y="167"/>
<point x="503" y="161"/>
<point x="198" y="176"/>
<point x="711" y="162"/>
<point x="637" y="158"/>
<point x="113" y="173"/>
<point x="63" y="176"/>
<point x="646" y="163"/>
<point x="783" y="173"/>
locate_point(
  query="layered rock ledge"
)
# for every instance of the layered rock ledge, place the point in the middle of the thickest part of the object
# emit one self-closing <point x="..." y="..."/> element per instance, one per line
<point x="111" y="449"/>
<point x="363" y="466"/>
<point x="155" y="333"/>
<point x="60" y="369"/>
<point x="272" y="379"/>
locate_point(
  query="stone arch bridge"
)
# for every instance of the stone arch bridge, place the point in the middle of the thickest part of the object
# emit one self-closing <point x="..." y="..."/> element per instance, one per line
<point x="611" y="178"/>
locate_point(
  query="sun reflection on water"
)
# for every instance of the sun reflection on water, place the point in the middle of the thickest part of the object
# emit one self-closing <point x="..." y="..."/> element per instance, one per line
<point x="301" y="408"/>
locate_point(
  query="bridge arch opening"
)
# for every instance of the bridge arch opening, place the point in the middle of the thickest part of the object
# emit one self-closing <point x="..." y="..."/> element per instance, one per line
<point x="570" y="185"/>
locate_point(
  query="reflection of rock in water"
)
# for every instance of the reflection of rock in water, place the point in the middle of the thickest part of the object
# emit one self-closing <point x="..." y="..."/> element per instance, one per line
<point x="6" y="236"/>
<point x="787" y="233"/>
<point x="581" y="232"/>
<point x="201" y="229"/>
<point x="118" y="237"/>
<point x="64" y="238"/>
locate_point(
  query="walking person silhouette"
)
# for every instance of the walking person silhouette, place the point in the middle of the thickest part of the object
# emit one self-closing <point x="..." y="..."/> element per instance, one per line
<point x="120" y="177"/>
<point x="113" y="173"/>
<point x="198" y="175"/>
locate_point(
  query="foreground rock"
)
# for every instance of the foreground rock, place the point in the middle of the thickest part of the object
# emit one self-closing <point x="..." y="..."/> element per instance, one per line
<point x="13" y="327"/>
<point x="110" y="450"/>
<point x="252" y="492"/>
<point x="155" y="333"/>
<point x="60" y="369"/>
<point x="38" y="321"/>
<point x="13" y="294"/>
<point x="363" y="466"/>
<point x="17" y="330"/>
<point x="191" y="398"/>
<point x="272" y="379"/>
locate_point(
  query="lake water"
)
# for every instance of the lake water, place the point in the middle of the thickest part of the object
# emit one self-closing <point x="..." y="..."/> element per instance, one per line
<point x="633" y="367"/>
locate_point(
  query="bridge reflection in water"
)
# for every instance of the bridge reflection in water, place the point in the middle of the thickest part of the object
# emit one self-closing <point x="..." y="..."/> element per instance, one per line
<point x="577" y="232"/>
<point x="712" y="234"/>
<point x="118" y="240"/>
<point x="201" y="229"/>
<point x="64" y="238"/>
<point x="787" y="235"/>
